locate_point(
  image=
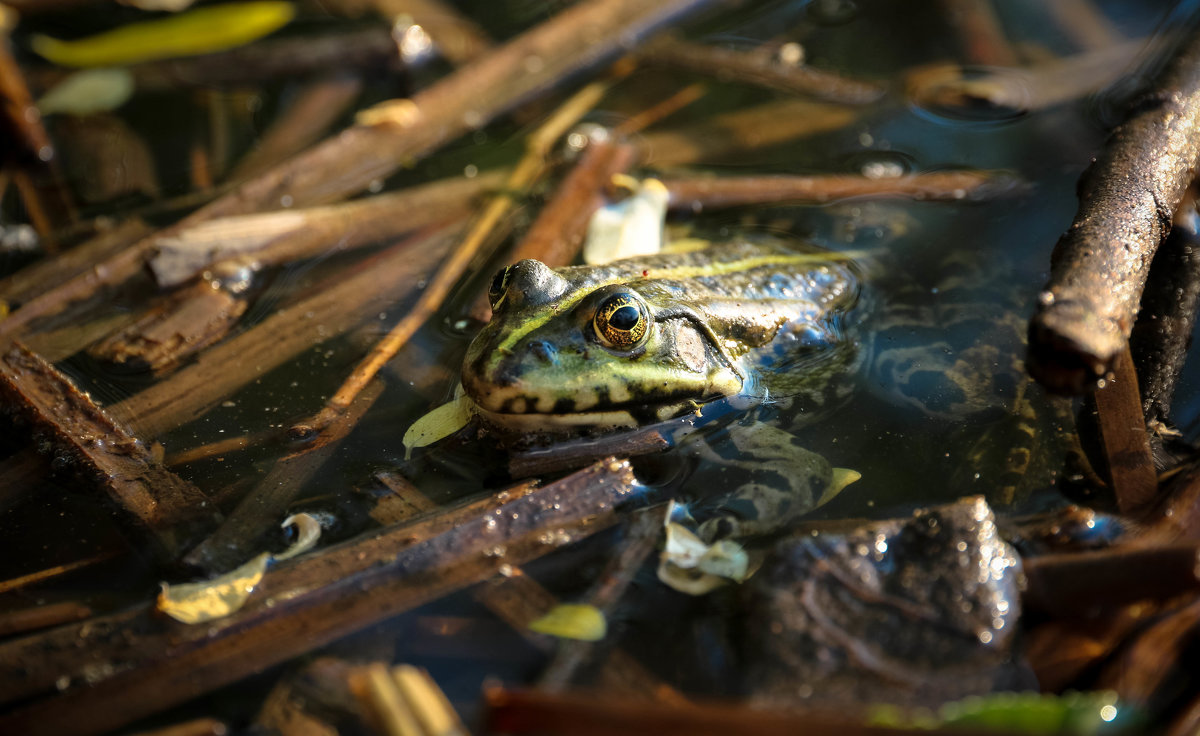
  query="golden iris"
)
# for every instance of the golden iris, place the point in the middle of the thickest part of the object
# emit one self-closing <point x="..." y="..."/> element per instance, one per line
<point x="621" y="321"/>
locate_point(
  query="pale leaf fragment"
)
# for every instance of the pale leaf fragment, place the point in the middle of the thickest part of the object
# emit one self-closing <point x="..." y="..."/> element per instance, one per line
<point x="196" y="603"/>
<point x="89" y="91"/>
<point x="573" y="621"/>
<point x="440" y="423"/>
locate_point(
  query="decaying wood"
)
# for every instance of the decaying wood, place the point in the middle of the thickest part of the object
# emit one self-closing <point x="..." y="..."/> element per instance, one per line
<point x="745" y="129"/>
<point x="158" y="502"/>
<point x="713" y="192"/>
<point x="1178" y="515"/>
<point x="1163" y="331"/>
<point x="1127" y="199"/>
<point x="275" y="238"/>
<point x="593" y="714"/>
<point x="300" y="604"/>
<point x="1123" y="434"/>
<point x="331" y="310"/>
<point x="1060" y="651"/>
<point x="755" y="68"/>
<point x="1088" y="583"/>
<point x="62" y="342"/>
<point x="307" y="117"/>
<point x="574" y="453"/>
<point x="365" y="50"/>
<point x="240" y="535"/>
<point x="24" y="620"/>
<point x="175" y="327"/>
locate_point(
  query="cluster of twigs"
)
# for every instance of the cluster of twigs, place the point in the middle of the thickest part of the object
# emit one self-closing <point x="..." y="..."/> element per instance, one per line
<point x="66" y="668"/>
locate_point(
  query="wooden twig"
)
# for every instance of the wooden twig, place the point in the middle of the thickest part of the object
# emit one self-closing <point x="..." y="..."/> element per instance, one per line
<point x="301" y="604"/>
<point x="1089" y="583"/>
<point x="742" y="130"/>
<point x="275" y="238"/>
<point x="33" y="578"/>
<point x="713" y="192"/>
<point x="1127" y="199"/>
<point x="659" y="111"/>
<point x="24" y="620"/>
<point x="574" y="453"/>
<point x="309" y="114"/>
<point x="366" y="50"/>
<point x="751" y="68"/>
<point x="644" y="532"/>
<point x="331" y="310"/>
<point x="1123" y="434"/>
<point x="24" y="137"/>
<point x="592" y="714"/>
<point x="528" y="170"/>
<point x="582" y="36"/>
<point x="159" y="502"/>
<point x="175" y="327"/>
<point x="265" y="506"/>
<point x="980" y="32"/>
<point x="1026" y="89"/>
<point x="459" y="39"/>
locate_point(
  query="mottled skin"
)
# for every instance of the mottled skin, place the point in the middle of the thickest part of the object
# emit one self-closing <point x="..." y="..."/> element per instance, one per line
<point x="713" y="320"/>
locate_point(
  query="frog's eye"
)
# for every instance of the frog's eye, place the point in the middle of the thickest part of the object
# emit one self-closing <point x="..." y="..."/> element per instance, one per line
<point x="621" y="321"/>
<point x="498" y="287"/>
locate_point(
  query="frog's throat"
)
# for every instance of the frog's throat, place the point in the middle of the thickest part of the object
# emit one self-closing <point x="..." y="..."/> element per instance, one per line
<point x="533" y="423"/>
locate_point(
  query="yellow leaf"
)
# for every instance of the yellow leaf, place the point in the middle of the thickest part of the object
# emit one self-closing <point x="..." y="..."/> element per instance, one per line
<point x="196" y="603"/>
<point x="438" y="424"/>
<point x="200" y="31"/>
<point x="573" y="621"/>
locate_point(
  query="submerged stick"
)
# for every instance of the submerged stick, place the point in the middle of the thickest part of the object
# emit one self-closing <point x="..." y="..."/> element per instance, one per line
<point x="301" y="604"/>
<point x="158" y="502"/>
<point x="712" y="192"/>
<point x="756" y="68"/>
<point x="1127" y="199"/>
<point x="1123" y="434"/>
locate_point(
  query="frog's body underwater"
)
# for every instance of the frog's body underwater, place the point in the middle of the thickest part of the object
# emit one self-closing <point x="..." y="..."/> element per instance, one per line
<point x="589" y="349"/>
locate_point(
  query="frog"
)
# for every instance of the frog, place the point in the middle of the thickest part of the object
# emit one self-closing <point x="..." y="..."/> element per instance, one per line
<point x="596" y="349"/>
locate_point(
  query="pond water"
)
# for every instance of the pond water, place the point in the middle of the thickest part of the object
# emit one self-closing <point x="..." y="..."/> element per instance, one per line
<point x="935" y="405"/>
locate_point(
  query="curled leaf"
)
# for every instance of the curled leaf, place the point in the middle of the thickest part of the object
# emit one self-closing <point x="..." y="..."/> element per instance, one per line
<point x="438" y="424"/>
<point x="631" y="227"/>
<point x="200" y="31"/>
<point x="690" y="566"/>
<point x="308" y="531"/>
<point x="196" y="603"/>
<point x="573" y="621"/>
<point x="87" y="92"/>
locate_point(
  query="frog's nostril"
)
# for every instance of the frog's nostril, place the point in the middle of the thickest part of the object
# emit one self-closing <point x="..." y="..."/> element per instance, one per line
<point x="543" y="351"/>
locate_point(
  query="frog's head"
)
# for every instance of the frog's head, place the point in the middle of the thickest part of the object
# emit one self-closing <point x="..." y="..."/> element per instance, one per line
<point x="581" y="348"/>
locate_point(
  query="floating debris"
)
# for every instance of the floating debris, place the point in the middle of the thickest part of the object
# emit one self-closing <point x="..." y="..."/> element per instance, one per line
<point x="197" y="603"/>
<point x="87" y="92"/>
<point x="573" y="621"/>
<point x="439" y="423"/>
<point x="200" y="31"/>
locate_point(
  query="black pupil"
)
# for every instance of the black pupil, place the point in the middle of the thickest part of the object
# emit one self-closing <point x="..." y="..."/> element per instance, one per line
<point x="625" y="318"/>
